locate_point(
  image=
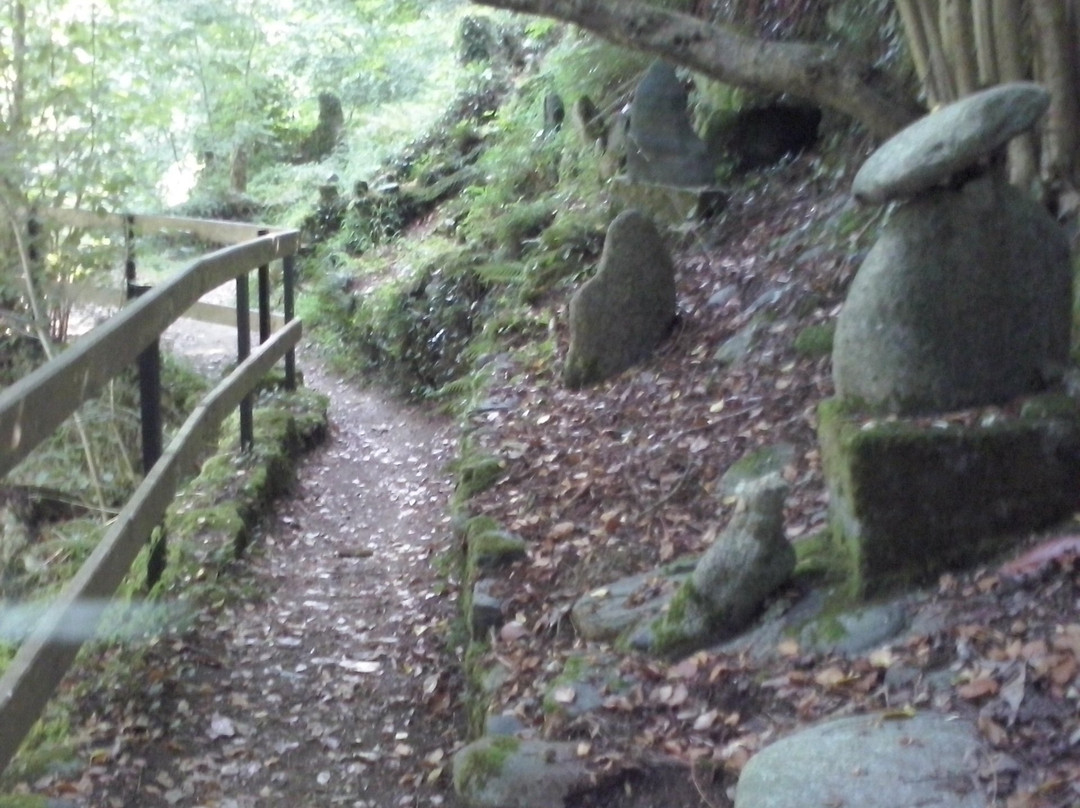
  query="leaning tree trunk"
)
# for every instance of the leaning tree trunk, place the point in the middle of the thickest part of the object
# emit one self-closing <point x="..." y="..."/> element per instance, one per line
<point x="817" y="73"/>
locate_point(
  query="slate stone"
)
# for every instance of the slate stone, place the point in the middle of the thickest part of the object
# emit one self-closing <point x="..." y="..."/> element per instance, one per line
<point x="953" y="138"/>
<point x="503" y="724"/>
<point x="856" y="631"/>
<point x="608" y="611"/>
<point x="929" y="761"/>
<point x="504" y="772"/>
<point x="620" y="315"/>
<point x="662" y="146"/>
<point x="734" y="350"/>
<point x="963" y="301"/>
<point x="722" y="296"/>
<point x="486" y="612"/>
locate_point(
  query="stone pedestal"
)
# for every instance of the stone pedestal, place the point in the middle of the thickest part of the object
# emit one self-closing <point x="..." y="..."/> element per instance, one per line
<point x="910" y="499"/>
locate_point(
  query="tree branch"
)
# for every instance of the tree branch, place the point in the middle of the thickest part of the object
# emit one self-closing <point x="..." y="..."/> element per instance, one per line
<point x="816" y="73"/>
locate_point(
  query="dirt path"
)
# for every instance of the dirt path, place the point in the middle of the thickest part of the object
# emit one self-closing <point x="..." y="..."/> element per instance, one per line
<point x="332" y="686"/>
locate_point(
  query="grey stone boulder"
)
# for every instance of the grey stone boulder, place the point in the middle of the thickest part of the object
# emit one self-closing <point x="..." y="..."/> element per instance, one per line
<point x="949" y="140"/>
<point x="508" y="772"/>
<point x="662" y="146"/>
<point x="928" y="761"/>
<point x="964" y="300"/>
<point x="748" y="561"/>
<point x="620" y="315"/>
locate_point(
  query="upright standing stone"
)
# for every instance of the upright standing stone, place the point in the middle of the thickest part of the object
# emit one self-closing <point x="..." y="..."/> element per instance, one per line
<point x="663" y="147"/>
<point x="621" y="314"/>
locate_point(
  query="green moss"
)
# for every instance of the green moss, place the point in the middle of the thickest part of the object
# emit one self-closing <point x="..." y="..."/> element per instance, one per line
<point x="816" y="341"/>
<point x="817" y="560"/>
<point x="679" y="629"/>
<point x="574" y="670"/>
<point x="491" y="549"/>
<point x="48" y="749"/>
<point x="476" y="474"/>
<point x="22" y="801"/>
<point x="482" y="761"/>
<point x="910" y="499"/>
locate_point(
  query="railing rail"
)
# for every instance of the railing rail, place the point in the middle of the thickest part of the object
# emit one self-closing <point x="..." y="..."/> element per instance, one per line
<point x="32" y="408"/>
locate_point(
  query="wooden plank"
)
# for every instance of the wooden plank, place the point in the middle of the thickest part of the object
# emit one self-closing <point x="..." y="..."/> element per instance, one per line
<point x="45" y="656"/>
<point x="34" y="406"/>
<point x="213" y="313"/>
<point x="216" y="230"/>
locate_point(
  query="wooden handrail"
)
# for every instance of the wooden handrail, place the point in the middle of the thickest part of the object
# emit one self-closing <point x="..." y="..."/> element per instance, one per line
<point x="216" y="230"/>
<point x="32" y="408"/>
<point x="44" y="657"/>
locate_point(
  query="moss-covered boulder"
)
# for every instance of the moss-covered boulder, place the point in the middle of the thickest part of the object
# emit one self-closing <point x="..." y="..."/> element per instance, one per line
<point x="909" y="499"/>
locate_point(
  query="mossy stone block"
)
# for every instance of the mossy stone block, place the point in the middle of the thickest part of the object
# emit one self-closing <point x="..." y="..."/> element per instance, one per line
<point x="489" y="546"/>
<point x="909" y="499"/>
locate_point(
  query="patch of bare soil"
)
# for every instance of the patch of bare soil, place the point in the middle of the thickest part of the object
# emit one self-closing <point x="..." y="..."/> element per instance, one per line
<point x="332" y="684"/>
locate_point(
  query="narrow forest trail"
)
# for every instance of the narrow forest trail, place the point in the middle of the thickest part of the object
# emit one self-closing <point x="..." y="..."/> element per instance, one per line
<point x="333" y="684"/>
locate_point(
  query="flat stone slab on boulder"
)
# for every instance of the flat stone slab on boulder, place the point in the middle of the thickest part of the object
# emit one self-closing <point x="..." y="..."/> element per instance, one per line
<point x="947" y="141"/>
<point x="620" y="315"/>
<point x="929" y="761"/>
<point x="506" y="772"/>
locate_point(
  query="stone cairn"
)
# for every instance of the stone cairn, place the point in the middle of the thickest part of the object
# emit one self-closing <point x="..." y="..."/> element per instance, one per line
<point x="964" y="301"/>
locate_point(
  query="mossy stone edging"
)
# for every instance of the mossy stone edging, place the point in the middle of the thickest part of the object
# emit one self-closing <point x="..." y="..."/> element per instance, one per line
<point x="909" y="500"/>
<point x="231" y="492"/>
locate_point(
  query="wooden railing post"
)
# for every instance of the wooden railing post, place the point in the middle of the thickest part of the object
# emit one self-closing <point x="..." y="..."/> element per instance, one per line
<point x="243" y="350"/>
<point x="129" y="253"/>
<point x="288" y="271"/>
<point x="150" y="421"/>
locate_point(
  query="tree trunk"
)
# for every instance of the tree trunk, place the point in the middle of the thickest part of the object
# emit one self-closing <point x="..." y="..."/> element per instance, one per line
<point x="957" y="31"/>
<point x="809" y="71"/>
<point x="918" y="46"/>
<point x="1059" y="74"/>
<point x="982" y="21"/>
<point x="1008" y="27"/>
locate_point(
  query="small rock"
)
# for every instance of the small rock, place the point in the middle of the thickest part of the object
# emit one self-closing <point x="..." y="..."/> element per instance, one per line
<point x="486" y="609"/>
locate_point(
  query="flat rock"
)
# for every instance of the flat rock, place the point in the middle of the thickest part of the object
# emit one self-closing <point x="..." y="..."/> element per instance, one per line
<point x="610" y="610"/>
<point x="505" y="772"/>
<point x="928" y="761"/>
<point x="953" y="138"/>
